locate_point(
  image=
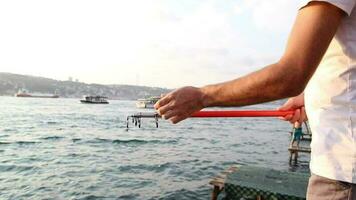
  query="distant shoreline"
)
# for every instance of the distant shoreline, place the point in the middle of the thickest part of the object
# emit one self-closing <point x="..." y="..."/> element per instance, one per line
<point x="11" y="83"/>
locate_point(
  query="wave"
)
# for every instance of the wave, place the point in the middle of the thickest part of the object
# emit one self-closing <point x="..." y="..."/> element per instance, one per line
<point x="138" y="141"/>
<point x="5" y="143"/>
<point x="91" y="197"/>
<point x="16" y="168"/>
<point x="145" y="167"/>
<point x="9" y="130"/>
<point x="129" y="196"/>
<point x="25" y="142"/>
<point x="131" y="141"/>
<point x="19" y="142"/>
<point x="52" y="138"/>
<point x="76" y="139"/>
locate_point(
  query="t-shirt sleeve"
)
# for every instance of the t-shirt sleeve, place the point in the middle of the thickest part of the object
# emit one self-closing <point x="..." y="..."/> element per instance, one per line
<point x="345" y="5"/>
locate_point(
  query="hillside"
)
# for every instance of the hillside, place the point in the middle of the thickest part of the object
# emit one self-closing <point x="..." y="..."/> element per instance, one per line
<point x="11" y="83"/>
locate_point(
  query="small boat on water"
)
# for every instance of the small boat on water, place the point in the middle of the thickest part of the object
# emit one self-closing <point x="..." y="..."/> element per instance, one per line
<point x="94" y="100"/>
<point x="24" y="93"/>
<point x="147" y="103"/>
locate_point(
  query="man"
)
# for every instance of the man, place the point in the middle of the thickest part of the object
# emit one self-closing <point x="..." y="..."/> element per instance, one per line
<point x="319" y="60"/>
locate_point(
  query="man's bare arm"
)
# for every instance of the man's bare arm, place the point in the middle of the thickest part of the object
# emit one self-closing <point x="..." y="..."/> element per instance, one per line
<point x="314" y="28"/>
<point x="312" y="33"/>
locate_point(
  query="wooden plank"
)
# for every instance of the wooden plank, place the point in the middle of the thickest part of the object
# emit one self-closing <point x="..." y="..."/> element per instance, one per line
<point x="299" y="149"/>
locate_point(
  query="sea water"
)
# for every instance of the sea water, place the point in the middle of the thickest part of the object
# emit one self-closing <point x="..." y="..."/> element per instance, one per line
<point x="62" y="149"/>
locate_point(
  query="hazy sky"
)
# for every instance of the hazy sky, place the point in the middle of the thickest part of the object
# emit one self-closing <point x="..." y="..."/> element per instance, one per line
<point x="166" y="43"/>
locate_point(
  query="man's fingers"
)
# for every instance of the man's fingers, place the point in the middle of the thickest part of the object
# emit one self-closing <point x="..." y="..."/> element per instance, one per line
<point x="177" y="119"/>
<point x="169" y="114"/>
<point x="286" y="106"/>
<point x="174" y="116"/>
<point x="306" y="116"/>
<point x="282" y="118"/>
<point x="296" y="116"/>
<point x="162" y="110"/>
<point x="165" y="100"/>
<point x="286" y="118"/>
<point x="291" y="104"/>
<point x="303" y="116"/>
<point x="283" y="107"/>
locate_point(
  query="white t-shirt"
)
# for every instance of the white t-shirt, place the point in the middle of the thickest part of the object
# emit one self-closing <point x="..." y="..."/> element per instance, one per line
<point x="330" y="101"/>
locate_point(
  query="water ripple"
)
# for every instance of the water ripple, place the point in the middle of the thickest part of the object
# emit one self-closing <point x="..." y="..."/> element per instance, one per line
<point x="145" y="167"/>
<point x="131" y="141"/>
<point x="52" y="138"/>
<point x="26" y="142"/>
<point x="15" y="168"/>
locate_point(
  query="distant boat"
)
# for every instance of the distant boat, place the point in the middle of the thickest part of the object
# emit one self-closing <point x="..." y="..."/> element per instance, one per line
<point x="94" y="100"/>
<point x="147" y="103"/>
<point x="24" y="93"/>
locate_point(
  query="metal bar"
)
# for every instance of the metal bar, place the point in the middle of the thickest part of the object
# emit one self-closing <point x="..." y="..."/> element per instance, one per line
<point x="145" y="115"/>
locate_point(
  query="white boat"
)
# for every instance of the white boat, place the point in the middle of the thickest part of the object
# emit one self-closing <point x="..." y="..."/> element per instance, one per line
<point x="147" y="103"/>
<point x="94" y="100"/>
<point x="25" y="93"/>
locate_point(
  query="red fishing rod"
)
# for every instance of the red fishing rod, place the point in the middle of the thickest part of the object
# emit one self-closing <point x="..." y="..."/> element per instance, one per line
<point x="136" y="118"/>
<point x="242" y="113"/>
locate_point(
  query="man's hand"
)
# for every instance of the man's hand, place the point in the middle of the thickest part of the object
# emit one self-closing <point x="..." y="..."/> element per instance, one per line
<point x="180" y="104"/>
<point x="297" y="104"/>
